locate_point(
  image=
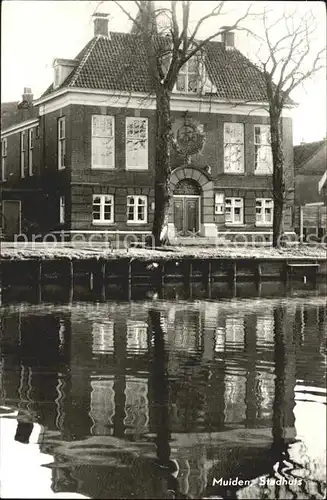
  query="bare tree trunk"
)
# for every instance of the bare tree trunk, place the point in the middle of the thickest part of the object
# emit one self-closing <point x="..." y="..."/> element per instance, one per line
<point x="162" y="167"/>
<point x="278" y="176"/>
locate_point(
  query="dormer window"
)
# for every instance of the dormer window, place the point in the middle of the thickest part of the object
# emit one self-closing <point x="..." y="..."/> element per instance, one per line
<point x="190" y="77"/>
<point x="62" y="68"/>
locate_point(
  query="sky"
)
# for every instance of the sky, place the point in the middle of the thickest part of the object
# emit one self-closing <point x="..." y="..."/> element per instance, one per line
<point x="33" y="33"/>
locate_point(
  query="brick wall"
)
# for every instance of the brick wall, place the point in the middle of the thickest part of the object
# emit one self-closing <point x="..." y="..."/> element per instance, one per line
<point x="78" y="182"/>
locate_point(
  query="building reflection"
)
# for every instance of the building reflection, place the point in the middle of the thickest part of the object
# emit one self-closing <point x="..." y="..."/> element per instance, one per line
<point x="145" y="375"/>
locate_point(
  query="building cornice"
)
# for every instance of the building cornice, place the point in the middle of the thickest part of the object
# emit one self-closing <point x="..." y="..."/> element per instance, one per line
<point x="179" y="102"/>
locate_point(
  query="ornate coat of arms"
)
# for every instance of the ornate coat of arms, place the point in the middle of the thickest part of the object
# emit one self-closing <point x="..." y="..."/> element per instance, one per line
<point x="189" y="139"/>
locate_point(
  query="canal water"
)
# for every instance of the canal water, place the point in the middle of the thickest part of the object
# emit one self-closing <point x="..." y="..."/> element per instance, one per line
<point x="174" y="397"/>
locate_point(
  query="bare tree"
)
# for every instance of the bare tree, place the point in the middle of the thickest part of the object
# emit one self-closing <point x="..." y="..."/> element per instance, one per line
<point x="290" y="61"/>
<point x="169" y="46"/>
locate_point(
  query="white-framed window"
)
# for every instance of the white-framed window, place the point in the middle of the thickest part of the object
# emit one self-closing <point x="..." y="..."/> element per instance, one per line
<point x="23" y="153"/>
<point x="234" y="148"/>
<point x="62" y="209"/>
<point x="30" y="150"/>
<point x="136" y="143"/>
<point x="191" y="76"/>
<point x="61" y="143"/>
<point x="137" y="209"/>
<point x="219" y="203"/>
<point x="264" y="209"/>
<point x="262" y="150"/>
<point x="234" y="211"/>
<point x="4" y="153"/>
<point x="103" y="141"/>
<point x="103" y="209"/>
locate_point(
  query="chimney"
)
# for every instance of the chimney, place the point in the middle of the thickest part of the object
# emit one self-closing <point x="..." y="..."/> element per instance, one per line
<point x="27" y="95"/>
<point x="228" y="38"/>
<point x="27" y="99"/>
<point x="100" y="24"/>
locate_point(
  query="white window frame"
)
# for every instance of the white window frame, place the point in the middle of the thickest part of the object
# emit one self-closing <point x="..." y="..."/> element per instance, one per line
<point x="266" y="168"/>
<point x="61" y="140"/>
<point x="129" y="165"/>
<point x="135" y="206"/>
<point x="264" y="204"/>
<point x="219" y="203"/>
<point x="22" y="153"/>
<point x="4" y="153"/>
<point x="103" y="135"/>
<point x="62" y="210"/>
<point x="199" y="73"/>
<point x="235" y="202"/>
<point x="105" y="199"/>
<point x="31" y="137"/>
<point x="229" y="165"/>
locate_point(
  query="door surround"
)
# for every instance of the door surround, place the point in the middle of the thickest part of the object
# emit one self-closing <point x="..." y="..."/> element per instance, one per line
<point x="208" y="226"/>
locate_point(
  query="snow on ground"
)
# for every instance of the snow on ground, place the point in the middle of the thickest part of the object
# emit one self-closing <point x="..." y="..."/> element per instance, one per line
<point x="22" y="251"/>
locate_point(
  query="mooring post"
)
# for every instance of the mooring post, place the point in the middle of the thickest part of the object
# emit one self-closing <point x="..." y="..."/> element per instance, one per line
<point x="287" y="272"/>
<point x="71" y="280"/>
<point x="39" y="280"/>
<point x="102" y="279"/>
<point x="209" y="279"/>
<point x="161" y="276"/>
<point x="187" y="275"/>
<point x="257" y="272"/>
<point x="233" y="272"/>
<point x="129" y="279"/>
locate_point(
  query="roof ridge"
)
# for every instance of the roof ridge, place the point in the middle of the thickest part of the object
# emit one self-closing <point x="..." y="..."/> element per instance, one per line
<point x="83" y="61"/>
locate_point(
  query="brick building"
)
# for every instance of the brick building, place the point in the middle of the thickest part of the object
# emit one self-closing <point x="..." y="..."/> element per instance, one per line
<point x="82" y="160"/>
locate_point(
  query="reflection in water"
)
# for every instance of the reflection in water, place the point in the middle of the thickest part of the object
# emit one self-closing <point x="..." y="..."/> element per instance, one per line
<point x="156" y="400"/>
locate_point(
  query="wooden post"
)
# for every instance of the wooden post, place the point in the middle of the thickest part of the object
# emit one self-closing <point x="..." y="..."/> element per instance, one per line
<point x="71" y="281"/>
<point x="103" y="279"/>
<point x="209" y="280"/>
<point x="233" y="279"/>
<point x="187" y="275"/>
<point x="301" y="224"/>
<point x="206" y="276"/>
<point x="257" y="273"/>
<point x="129" y="279"/>
<point x="39" y="281"/>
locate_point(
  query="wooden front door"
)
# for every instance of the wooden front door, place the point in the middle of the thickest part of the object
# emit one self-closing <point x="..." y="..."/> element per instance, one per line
<point x="187" y="215"/>
<point x="11" y="218"/>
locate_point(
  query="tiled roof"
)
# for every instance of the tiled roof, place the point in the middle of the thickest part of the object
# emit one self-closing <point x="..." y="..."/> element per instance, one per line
<point x="119" y="63"/>
<point x="304" y="153"/>
<point x="9" y="114"/>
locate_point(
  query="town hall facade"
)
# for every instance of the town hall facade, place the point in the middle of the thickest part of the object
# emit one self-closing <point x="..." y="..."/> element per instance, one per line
<point x="81" y="158"/>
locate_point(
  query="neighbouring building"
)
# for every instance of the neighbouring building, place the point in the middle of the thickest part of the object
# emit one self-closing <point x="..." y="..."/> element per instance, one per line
<point x="310" y="189"/>
<point x="81" y="160"/>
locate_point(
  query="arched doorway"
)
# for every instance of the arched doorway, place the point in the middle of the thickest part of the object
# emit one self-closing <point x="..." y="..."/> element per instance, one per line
<point x="187" y="207"/>
<point x="194" y="184"/>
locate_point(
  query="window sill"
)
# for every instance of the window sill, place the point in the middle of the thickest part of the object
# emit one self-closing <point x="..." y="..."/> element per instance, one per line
<point x="234" y="224"/>
<point x="234" y="173"/>
<point x="137" y="168"/>
<point x="263" y="224"/>
<point x="137" y="223"/>
<point x="103" y="168"/>
<point x="103" y="223"/>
